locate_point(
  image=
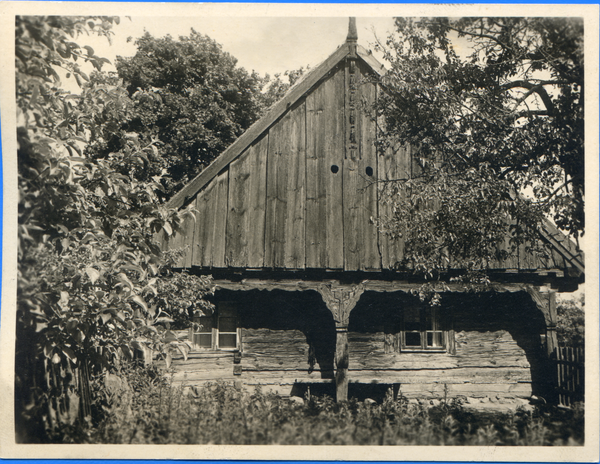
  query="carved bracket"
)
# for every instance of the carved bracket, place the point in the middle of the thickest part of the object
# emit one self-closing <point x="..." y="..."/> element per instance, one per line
<point x="545" y="302"/>
<point x="340" y="301"/>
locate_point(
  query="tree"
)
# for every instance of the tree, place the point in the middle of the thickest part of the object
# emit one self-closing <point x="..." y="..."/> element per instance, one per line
<point x="498" y="132"/>
<point x="191" y="101"/>
<point x="88" y="261"/>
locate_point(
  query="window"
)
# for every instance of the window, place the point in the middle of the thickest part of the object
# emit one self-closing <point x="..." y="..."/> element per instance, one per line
<point x="218" y="331"/>
<point x="423" y="330"/>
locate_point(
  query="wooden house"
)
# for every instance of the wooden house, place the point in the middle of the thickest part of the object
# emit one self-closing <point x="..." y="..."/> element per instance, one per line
<point x="308" y="292"/>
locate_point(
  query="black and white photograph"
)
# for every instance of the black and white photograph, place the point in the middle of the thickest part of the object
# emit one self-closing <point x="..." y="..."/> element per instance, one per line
<point x="299" y="231"/>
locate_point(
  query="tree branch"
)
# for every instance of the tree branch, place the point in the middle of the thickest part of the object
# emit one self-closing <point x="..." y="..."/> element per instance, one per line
<point x="537" y="88"/>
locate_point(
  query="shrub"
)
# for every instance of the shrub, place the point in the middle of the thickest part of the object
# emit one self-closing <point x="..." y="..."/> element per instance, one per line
<point x="155" y="411"/>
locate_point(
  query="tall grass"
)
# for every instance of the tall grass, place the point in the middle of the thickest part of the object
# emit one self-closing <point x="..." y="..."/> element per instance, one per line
<point x="155" y="411"/>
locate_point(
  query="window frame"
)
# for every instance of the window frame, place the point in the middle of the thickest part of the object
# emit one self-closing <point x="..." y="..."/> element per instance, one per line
<point x="215" y="318"/>
<point x="440" y="325"/>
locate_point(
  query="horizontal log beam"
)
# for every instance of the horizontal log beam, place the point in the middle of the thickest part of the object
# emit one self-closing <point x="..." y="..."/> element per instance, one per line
<point x="367" y="285"/>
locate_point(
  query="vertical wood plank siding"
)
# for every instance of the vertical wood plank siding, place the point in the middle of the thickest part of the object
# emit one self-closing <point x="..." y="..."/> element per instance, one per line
<point x="245" y="240"/>
<point x="294" y="248"/>
<point x="257" y="207"/>
<point x="360" y="195"/>
<point x="279" y="205"/>
<point x="220" y="219"/>
<point x="238" y="220"/>
<point x="277" y="192"/>
<point x="325" y="148"/>
<point x="394" y="163"/>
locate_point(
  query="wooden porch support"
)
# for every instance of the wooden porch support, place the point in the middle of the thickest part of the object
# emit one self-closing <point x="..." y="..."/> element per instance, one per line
<point x="545" y="300"/>
<point x="340" y="300"/>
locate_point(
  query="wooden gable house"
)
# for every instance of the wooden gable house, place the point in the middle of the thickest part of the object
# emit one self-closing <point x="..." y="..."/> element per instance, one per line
<point x="308" y="291"/>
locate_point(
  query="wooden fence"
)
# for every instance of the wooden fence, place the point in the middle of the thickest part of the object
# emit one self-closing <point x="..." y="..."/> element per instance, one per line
<point x="570" y="374"/>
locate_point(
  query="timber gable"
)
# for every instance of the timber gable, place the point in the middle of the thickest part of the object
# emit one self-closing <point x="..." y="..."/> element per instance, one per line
<point x="308" y="288"/>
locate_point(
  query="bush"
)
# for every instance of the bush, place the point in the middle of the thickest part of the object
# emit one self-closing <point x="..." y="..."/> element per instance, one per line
<point x="152" y="410"/>
<point x="570" y="327"/>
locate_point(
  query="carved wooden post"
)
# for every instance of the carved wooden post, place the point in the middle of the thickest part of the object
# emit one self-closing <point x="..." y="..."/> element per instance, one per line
<point x="340" y="301"/>
<point x="545" y="300"/>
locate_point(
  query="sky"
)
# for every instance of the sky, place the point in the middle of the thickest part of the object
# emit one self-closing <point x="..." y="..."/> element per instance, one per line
<point x="264" y="44"/>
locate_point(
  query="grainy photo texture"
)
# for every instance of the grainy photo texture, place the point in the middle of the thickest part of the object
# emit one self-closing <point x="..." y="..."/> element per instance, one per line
<point x="381" y="247"/>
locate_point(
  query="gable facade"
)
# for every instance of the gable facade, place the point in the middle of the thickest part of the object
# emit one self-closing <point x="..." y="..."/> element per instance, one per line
<point x="286" y="222"/>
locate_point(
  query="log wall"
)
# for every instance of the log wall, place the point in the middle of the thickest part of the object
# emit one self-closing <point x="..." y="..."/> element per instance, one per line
<point x="496" y="353"/>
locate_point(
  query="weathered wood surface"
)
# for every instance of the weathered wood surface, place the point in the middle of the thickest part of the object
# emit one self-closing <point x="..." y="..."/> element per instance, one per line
<point x="208" y="240"/>
<point x="486" y="363"/>
<point x="359" y="172"/>
<point x="394" y="164"/>
<point x="272" y="201"/>
<point x="204" y="232"/>
<point x="295" y="160"/>
<point x="274" y="350"/>
<point x="258" y="128"/>
<point x="238" y="216"/>
<point x="324" y="195"/>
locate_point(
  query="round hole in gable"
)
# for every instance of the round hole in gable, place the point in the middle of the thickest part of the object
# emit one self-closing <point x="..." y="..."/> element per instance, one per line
<point x="369" y="171"/>
<point x="334" y="168"/>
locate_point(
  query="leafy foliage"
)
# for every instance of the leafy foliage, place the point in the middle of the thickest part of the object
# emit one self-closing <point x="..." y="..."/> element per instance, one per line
<point x="220" y="414"/>
<point x="498" y="132"/>
<point x="190" y="102"/>
<point x="88" y="262"/>
<point x="570" y="327"/>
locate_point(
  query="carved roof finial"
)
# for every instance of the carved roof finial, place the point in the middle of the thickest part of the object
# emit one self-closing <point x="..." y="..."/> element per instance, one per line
<point x="352" y="34"/>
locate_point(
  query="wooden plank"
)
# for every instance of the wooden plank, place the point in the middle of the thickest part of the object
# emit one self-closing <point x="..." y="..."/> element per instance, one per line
<point x="204" y="232"/>
<point x="316" y="233"/>
<point x="220" y="219"/>
<point x="188" y="236"/>
<point x="295" y="246"/>
<point x="334" y="153"/>
<point x="258" y="128"/>
<point x="351" y="170"/>
<point x="361" y="251"/>
<point x="393" y="165"/>
<point x="324" y="195"/>
<point x="341" y="364"/>
<point x="447" y="376"/>
<point x="236" y="244"/>
<point x="257" y="203"/>
<point x="276" y="201"/>
<point x="370" y="257"/>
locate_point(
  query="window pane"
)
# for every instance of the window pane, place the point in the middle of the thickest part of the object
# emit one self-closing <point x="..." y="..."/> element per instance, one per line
<point x="432" y="319"/>
<point x="227" y="340"/>
<point x="227" y="324"/>
<point x="412" y="339"/>
<point x="434" y="339"/>
<point x="203" y="339"/>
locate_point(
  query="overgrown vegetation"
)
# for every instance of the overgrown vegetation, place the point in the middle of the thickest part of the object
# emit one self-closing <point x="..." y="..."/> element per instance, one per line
<point x="156" y="412"/>
<point x="570" y="327"/>
<point x="94" y="169"/>
<point x="498" y="130"/>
